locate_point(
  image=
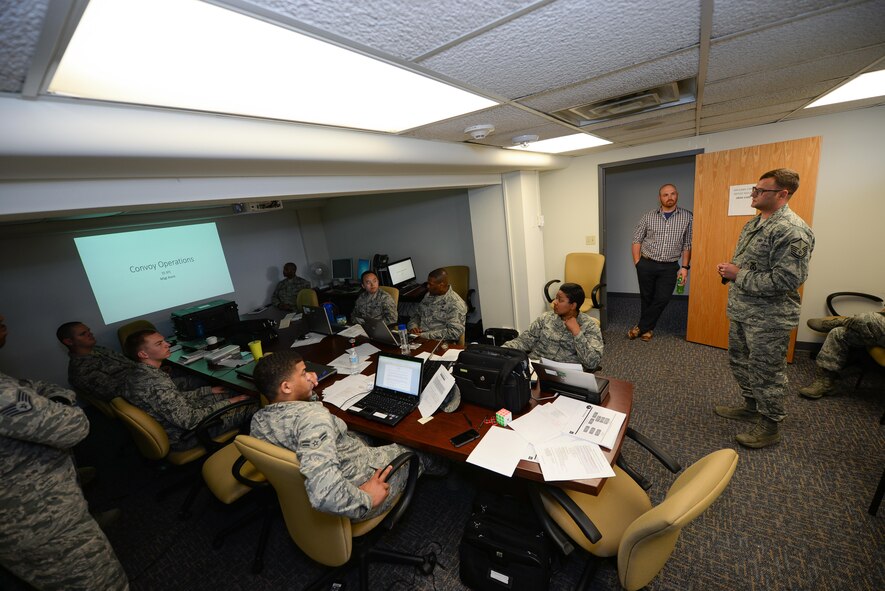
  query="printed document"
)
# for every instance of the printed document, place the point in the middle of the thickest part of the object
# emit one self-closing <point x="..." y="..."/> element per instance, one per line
<point x="435" y="392"/>
<point x="592" y="423"/>
<point x="499" y="450"/>
<point x="347" y="392"/>
<point x="567" y="458"/>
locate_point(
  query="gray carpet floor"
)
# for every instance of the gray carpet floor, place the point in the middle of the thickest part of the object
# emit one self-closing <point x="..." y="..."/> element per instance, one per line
<point x="794" y="516"/>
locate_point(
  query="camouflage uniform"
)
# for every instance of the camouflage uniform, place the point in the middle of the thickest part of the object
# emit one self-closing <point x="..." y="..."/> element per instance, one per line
<point x="334" y="461"/>
<point x="863" y="330"/>
<point x="47" y="536"/>
<point x="178" y="411"/>
<point x="440" y="317"/>
<point x="286" y="291"/>
<point x="549" y="337"/>
<point x="100" y="373"/>
<point x="379" y="305"/>
<point x="764" y="303"/>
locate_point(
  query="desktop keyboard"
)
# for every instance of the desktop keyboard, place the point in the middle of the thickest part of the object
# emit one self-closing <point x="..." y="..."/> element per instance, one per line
<point x="388" y="403"/>
<point x="409" y="288"/>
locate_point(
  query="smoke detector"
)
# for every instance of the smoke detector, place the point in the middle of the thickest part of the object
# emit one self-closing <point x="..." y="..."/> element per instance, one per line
<point x="524" y="140"/>
<point x="481" y="131"/>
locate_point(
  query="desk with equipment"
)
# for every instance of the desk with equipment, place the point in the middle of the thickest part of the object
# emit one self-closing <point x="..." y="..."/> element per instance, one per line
<point x="433" y="436"/>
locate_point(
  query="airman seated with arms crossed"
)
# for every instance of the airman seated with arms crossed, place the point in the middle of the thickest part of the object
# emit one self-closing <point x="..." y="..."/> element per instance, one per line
<point x="343" y="474"/>
<point x="177" y="404"/>
<point x="565" y="333"/>
<point x="93" y="370"/>
<point x="442" y="313"/>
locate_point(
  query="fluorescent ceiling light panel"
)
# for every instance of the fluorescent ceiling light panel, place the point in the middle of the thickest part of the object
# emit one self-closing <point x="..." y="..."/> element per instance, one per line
<point x="867" y="85"/>
<point x="191" y="55"/>
<point x="566" y="143"/>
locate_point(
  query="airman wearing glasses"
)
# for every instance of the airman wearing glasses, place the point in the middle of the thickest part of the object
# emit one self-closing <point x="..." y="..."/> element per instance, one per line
<point x="770" y="263"/>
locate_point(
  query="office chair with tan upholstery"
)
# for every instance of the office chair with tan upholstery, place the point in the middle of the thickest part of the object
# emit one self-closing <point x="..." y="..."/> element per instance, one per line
<point x="459" y="279"/>
<point x="394" y="293"/>
<point x="131" y="327"/>
<point x="876" y="354"/>
<point x="585" y="269"/>
<point x="231" y="477"/>
<point x="152" y="441"/>
<point x="622" y="522"/>
<point x="329" y="539"/>
<point x="306" y="297"/>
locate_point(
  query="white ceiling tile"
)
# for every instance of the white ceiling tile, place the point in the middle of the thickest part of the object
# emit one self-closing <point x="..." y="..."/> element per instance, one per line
<point x="776" y="110"/>
<point x="684" y="112"/>
<point x="628" y="135"/>
<point x="402" y="28"/>
<point x="767" y="99"/>
<point x="568" y="41"/>
<point x="733" y="17"/>
<point x="838" y="31"/>
<point x="20" y="24"/>
<point x="633" y="79"/>
<point x="725" y="126"/>
<point x="505" y="118"/>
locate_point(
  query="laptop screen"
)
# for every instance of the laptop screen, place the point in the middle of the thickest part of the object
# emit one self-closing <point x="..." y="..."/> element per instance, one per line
<point x="401" y="375"/>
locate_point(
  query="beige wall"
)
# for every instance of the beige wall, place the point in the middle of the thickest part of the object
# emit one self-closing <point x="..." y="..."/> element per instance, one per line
<point x="849" y="216"/>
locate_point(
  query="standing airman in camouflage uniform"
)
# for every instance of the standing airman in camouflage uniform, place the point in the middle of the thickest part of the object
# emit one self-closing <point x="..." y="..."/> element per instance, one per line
<point x="442" y="313"/>
<point x="93" y="370"/>
<point x="285" y="295"/>
<point x="343" y="475"/>
<point x="178" y="411"/>
<point x="47" y="536"/>
<point x="564" y="334"/>
<point x="770" y="263"/>
<point x="845" y="334"/>
<point x="374" y="302"/>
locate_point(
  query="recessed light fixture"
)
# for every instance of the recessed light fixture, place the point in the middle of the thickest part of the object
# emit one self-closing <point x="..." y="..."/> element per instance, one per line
<point x="189" y="54"/>
<point x="566" y="143"/>
<point x="867" y="85"/>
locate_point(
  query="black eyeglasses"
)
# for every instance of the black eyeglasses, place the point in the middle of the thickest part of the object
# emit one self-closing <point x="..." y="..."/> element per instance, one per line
<point x="756" y="190"/>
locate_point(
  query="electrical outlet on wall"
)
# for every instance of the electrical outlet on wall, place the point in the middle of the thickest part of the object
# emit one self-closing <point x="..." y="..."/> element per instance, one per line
<point x="590" y="240"/>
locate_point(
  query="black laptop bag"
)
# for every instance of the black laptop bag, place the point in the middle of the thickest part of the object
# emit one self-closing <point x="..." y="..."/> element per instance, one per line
<point x="504" y="547"/>
<point x="493" y="377"/>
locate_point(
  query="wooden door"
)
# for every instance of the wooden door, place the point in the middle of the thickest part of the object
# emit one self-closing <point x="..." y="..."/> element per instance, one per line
<point x="715" y="232"/>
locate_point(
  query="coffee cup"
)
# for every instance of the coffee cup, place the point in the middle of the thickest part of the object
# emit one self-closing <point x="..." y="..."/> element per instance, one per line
<point x="255" y="347"/>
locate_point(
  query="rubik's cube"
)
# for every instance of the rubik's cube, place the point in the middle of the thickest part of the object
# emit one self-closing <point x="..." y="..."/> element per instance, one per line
<point x="503" y="417"/>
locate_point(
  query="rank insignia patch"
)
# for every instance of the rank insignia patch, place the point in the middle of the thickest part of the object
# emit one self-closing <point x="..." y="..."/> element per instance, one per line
<point x="799" y="248"/>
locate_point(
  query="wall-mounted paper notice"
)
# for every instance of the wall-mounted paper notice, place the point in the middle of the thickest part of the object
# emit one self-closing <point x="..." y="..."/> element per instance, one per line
<point x="739" y="200"/>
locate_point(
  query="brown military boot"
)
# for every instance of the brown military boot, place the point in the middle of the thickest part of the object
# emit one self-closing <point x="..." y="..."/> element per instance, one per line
<point x="826" y="324"/>
<point x="746" y="413"/>
<point x="766" y="432"/>
<point x="824" y="384"/>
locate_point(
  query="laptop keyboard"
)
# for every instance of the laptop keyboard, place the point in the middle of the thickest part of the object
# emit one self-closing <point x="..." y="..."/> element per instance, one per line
<point x="388" y="403"/>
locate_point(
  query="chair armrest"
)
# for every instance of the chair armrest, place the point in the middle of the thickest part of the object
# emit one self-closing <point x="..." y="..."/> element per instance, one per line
<point x="212" y="419"/>
<point x="855" y="294"/>
<point x="594" y="293"/>
<point x="398" y="462"/>
<point x="235" y="470"/>
<point x="554" y="532"/>
<point x="547" y="288"/>
<point x="641" y="480"/>
<point x="663" y="457"/>
<point x="578" y="516"/>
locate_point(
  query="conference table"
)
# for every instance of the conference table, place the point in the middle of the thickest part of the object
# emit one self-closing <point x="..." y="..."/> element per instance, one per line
<point x="432" y="436"/>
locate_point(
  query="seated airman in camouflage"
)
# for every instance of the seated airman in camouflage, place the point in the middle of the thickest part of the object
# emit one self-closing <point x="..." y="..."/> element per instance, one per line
<point x="285" y="294"/>
<point x="442" y="313"/>
<point x="93" y="370"/>
<point x="846" y="334"/>
<point x="373" y="302"/>
<point x="565" y="333"/>
<point x="343" y="474"/>
<point x="178" y="410"/>
<point x="47" y="537"/>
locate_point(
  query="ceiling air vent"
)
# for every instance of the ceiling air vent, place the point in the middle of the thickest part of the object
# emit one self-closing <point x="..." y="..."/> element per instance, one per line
<point x="643" y="101"/>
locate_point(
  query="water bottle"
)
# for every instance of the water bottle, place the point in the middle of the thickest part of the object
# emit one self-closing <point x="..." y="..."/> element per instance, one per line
<point x="354" y="358"/>
<point x="403" y="339"/>
<point x="680" y="285"/>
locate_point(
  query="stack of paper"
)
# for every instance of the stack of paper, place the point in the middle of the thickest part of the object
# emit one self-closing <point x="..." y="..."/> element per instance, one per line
<point x="347" y="392"/>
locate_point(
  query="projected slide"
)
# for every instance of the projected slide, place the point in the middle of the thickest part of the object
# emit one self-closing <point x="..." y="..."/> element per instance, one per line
<point x="135" y="273"/>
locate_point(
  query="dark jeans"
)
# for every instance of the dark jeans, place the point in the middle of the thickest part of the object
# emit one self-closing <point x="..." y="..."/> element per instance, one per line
<point x="656" y="283"/>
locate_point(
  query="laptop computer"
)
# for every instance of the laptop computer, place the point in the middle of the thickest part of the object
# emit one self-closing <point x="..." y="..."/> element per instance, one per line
<point x="322" y="371"/>
<point x="318" y="321"/>
<point x="378" y="331"/>
<point x="575" y="384"/>
<point x="396" y="392"/>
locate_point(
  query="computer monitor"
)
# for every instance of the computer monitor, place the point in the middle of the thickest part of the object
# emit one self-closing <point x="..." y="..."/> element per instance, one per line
<point x="401" y="272"/>
<point x="342" y="269"/>
<point x="362" y="266"/>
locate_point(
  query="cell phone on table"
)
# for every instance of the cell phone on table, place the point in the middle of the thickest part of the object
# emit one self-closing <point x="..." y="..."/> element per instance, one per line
<point x="465" y="437"/>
